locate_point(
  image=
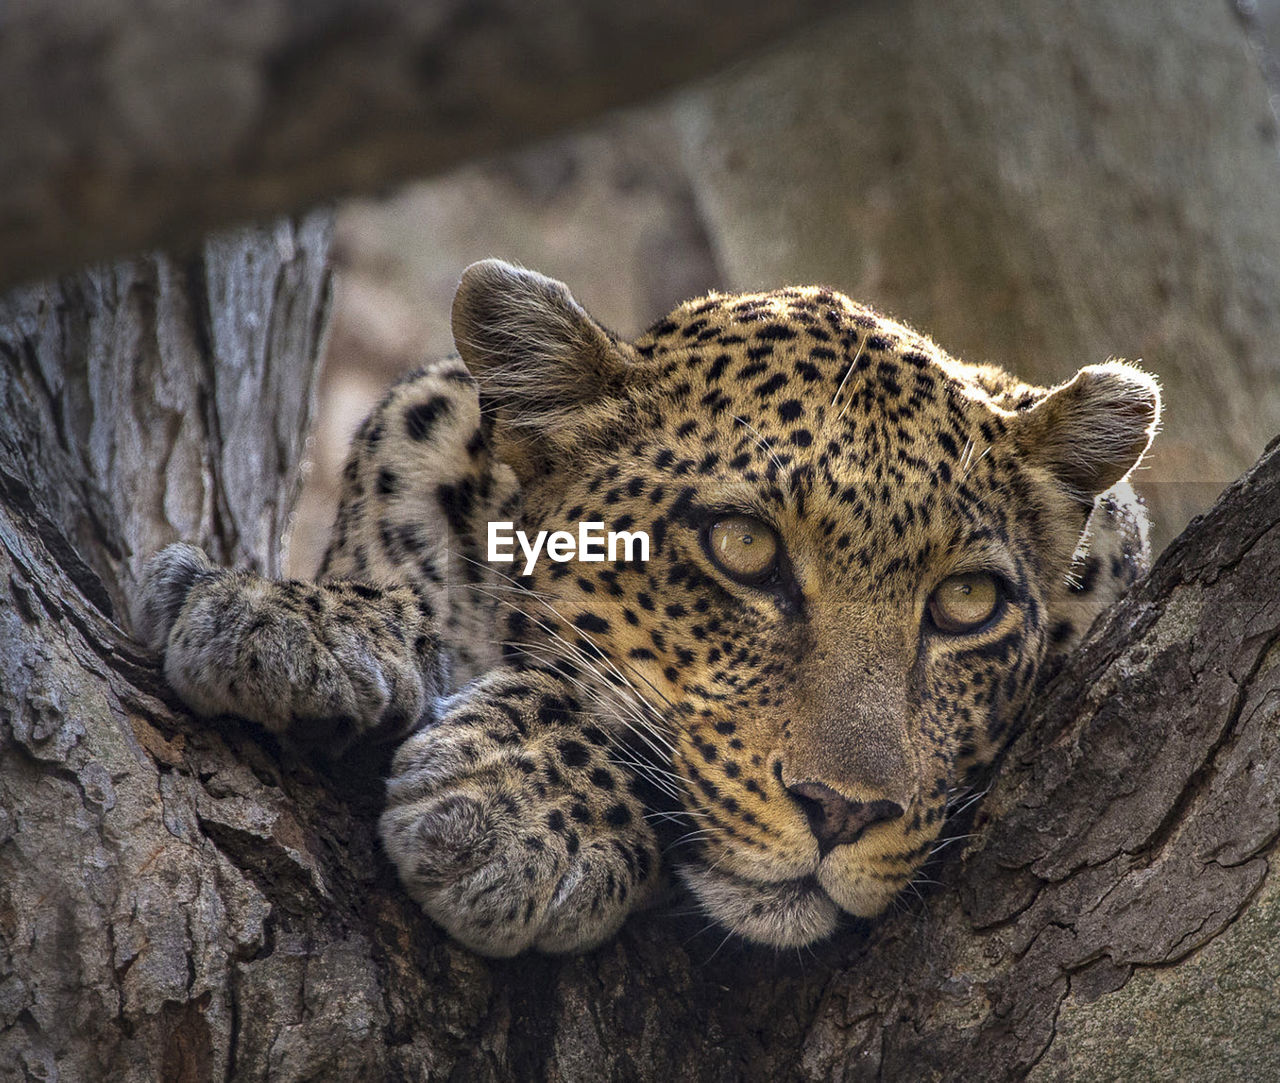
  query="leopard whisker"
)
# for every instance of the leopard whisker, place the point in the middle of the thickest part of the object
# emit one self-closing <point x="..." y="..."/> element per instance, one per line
<point x="762" y="442"/>
<point x="647" y="731"/>
<point x="590" y="662"/>
<point x="686" y="840"/>
<point x="550" y="607"/>
<point x="944" y="843"/>
<point x="968" y="802"/>
<point x="852" y="365"/>
<point x="670" y="783"/>
<point x="651" y="772"/>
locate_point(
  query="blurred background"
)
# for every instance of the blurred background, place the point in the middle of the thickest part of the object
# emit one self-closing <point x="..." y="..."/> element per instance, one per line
<point x="1067" y="205"/>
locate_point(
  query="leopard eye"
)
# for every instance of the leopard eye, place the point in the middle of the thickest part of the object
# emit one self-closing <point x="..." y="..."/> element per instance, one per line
<point x="963" y="603"/>
<point x="744" y="548"/>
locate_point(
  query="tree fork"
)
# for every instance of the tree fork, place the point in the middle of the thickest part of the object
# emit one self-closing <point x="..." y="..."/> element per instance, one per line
<point x="190" y="901"/>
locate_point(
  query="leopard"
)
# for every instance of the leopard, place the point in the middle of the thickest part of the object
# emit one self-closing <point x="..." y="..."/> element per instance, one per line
<point x="866" y="555"/>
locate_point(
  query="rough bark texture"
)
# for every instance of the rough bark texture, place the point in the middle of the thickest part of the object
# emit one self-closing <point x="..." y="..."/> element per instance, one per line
<point x="126" y="126"/>
<point x="190" y="902"/>
<point x="155" y="399"/>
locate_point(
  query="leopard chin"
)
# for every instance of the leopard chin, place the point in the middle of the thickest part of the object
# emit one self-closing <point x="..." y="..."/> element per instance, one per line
<point x="781" y="914"/>
<point x="792" y="912"/>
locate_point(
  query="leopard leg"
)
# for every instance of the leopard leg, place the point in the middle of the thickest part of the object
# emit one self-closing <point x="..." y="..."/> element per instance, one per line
<point x="363" y="652"/>
<point x="419" y="489"/>
<point x="512" y="824"/>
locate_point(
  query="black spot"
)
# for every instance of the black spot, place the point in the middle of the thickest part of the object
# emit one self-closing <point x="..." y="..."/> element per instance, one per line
<point x="421" y="418"/>
<point x="1088" y="576"/>
<point x="802" y="438"/>
<point x="553" y="711"/>
<point x="457" y="501"/>
<point x="766" y="388"/>
<point x="574" y="753"/>
<point x="589" y="622"/>
<point x="388" y="481"/>
<point x="617" y="815"/>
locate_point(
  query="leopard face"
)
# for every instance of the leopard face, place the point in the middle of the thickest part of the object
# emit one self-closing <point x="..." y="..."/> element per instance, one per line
<point x="862" y="553"/>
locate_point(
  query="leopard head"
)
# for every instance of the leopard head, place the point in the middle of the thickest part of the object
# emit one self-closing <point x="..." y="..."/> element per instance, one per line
<point x="861" y="551"/>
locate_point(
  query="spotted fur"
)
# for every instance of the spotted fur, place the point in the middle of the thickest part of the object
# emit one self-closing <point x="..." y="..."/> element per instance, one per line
<point x="610" y="698"/>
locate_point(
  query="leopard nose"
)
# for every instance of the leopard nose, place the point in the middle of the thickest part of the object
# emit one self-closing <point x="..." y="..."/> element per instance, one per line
<point x="836" y="820"/>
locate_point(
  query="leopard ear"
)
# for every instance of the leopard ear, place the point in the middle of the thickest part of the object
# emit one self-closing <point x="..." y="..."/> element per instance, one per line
<point x="546" y="368"/>
<point x="1092" y="431"/>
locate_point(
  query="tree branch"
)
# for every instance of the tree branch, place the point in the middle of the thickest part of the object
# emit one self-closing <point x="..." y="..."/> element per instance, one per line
<point x="130" y="127"/>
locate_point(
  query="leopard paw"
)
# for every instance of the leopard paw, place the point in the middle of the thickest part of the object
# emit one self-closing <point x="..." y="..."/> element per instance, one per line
<point x="513" y="836"/>
<point x="322" y="664"/>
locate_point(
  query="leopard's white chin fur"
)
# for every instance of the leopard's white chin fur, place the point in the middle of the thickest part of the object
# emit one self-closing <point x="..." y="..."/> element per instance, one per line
<point x="783" y="913"/>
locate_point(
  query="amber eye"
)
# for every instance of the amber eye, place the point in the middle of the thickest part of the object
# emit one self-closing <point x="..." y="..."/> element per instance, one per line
<point x="964" y="602"/>
<point x="744" y="548"/>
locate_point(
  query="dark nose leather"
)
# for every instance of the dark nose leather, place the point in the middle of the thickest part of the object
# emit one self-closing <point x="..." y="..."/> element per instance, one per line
<point x="834" y="819"/>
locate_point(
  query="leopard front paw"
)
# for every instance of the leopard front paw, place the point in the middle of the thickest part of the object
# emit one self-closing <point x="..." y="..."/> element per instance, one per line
<point x="513" y="842"/>
<point x="322" y="664"/>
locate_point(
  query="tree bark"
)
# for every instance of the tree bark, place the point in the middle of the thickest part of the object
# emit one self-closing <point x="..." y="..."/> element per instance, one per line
<point x="186" y="901"/>
<point x="155" y="399"/>
<point x="128" y="126"/>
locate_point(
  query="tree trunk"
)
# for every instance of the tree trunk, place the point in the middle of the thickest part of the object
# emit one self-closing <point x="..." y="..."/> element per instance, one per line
<point x="185" y="901"/>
